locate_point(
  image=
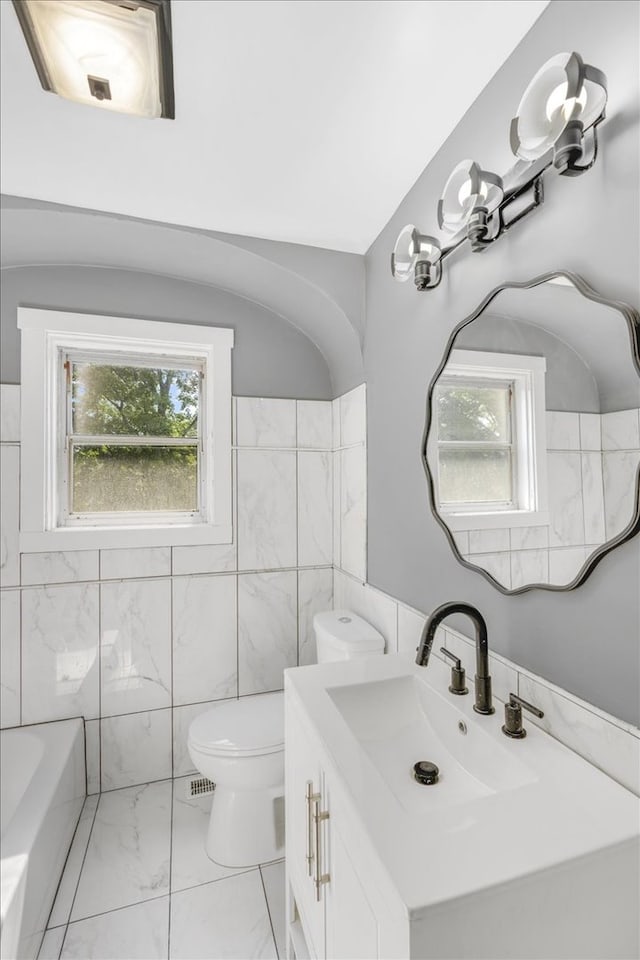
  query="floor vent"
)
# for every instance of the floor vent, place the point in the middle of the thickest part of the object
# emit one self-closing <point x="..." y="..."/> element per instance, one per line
<point x="201" y="786"/>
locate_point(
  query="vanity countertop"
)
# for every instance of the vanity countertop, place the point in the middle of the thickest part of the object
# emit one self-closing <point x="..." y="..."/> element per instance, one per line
<point x="502" y="810"/>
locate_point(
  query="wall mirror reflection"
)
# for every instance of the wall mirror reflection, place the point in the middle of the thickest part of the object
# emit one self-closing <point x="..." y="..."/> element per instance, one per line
<point x="532" y="442"/>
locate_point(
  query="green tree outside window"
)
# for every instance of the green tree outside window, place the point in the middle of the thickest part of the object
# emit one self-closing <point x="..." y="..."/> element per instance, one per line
<point x="159" y="405"/>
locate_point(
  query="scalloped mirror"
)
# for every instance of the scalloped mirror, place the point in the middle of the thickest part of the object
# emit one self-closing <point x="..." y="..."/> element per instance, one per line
<point x="532" y="439"/>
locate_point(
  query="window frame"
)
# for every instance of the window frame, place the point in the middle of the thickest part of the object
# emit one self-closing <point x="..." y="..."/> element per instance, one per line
<point x="528" y="424"/>
<point x="46" y="336"/>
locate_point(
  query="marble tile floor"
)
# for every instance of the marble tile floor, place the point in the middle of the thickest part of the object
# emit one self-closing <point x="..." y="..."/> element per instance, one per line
<point x="138" y="885"/>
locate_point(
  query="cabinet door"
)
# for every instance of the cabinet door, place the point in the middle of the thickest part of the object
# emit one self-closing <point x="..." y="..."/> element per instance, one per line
<point x="351" y="925"/>
<point x="303" y="797"/>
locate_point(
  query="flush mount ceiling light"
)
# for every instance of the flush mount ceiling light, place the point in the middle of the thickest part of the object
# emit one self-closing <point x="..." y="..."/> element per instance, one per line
<point x="565" y="100"/>
<point x="115" y="54"/>
<point x="416" y="255"/>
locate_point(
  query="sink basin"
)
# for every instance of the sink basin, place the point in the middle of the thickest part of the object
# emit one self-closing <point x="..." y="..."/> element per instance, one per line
<point x="400" y="720"/>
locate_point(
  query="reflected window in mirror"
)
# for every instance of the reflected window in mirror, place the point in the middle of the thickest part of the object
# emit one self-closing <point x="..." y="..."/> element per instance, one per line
<point x="490" y="436"/>
<point x="477" y="462"/>
<point x="534" y="485"/>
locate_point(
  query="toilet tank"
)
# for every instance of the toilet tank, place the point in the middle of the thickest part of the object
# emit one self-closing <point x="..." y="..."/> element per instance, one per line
<point x="343" y="635"/>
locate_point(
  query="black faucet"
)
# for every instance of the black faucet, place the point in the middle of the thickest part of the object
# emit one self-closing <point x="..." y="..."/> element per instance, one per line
<point x="483" y="702"/>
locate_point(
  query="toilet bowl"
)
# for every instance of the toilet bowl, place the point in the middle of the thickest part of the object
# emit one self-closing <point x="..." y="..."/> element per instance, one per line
<point x="239" y="745"/>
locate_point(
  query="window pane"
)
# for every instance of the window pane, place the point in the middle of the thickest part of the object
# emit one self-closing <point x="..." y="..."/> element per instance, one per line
<point x="468" y="412"/>
<point x="108" y="479"/>
<point x="134" y="401"/>
<point x="471" y="475"/>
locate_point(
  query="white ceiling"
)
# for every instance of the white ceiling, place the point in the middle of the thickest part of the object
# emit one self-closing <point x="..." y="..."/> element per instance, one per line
<point x="296" y="120"/>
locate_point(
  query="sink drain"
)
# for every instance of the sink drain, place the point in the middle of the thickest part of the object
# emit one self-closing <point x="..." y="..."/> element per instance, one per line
<point x="426" y="772"/>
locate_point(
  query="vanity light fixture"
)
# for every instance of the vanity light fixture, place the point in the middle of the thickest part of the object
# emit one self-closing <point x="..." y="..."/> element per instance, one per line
<point x="416" y="255"/>
<point x="470" y="198"/>
<point x="114" y="54"/>
<point x="564" y="102"/>
<point x="566" y="98"/>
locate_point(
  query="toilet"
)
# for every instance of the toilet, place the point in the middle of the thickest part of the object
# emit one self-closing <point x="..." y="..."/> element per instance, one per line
<point x="239" y="745"/>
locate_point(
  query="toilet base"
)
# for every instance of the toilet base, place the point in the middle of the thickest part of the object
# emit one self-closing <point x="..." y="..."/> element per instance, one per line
<point x="246" y="827"/>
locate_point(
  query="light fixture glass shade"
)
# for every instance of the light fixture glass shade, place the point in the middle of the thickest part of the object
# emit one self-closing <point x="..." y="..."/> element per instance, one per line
<point x="100" y="53"/>
<point x="467" y="189"/>
<point x="413" y="247"/>
<point x="563" y="90"/>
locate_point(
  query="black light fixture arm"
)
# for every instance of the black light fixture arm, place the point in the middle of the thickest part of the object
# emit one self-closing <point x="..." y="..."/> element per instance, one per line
<point x="573" y="168"/>
<point x="518" y="182"/>
<point x="484" y="229"/>
<point x="536" y="188"/>
<point x="478" y="205"/>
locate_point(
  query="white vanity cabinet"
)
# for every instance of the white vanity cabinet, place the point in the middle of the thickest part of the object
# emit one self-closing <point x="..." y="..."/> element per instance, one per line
<point x="522" y="850"/>
<point x="351" y="926"/>
<point x="337" y="908"/>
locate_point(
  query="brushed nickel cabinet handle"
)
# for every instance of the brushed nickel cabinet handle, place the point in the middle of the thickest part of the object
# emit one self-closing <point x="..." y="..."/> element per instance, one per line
<point x="310" y="797"/>
<point x="318" y="817"/>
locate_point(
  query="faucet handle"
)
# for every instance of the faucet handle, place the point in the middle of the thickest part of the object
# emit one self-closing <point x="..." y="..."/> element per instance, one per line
<point x="458" y="682"/>
<point x="512" y="726"/>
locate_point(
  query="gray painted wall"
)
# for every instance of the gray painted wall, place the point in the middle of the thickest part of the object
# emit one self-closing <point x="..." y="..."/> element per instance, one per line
<point x="320" y="292"/>
<point x="340" y="275"/>
<point x="271" y="358"/>
<point x="597" y="332"/>
<point x="569" y="383"/>
<point x="586" y="640"/>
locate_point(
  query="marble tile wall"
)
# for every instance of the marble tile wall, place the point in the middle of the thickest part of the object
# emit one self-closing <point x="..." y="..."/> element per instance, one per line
<point x="620" y="459"/>
<point x="350" y="482"/>
<point x="139" y="641"/>
<point x="590" y="459"/>
<point x="610" y="744"/>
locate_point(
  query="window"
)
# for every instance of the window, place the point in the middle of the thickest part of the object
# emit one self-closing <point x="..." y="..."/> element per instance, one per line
<point x="132" y="443"/>
<point x="126" y="424"/>
<point x="489" y="430"/>
<point x="476" y="455"/>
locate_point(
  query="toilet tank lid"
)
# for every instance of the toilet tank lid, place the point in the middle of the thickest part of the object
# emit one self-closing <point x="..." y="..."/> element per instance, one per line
<point x="347" y="627"/>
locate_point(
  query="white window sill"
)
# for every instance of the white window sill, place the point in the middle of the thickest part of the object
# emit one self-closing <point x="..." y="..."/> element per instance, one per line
<point x="495" y="521"/>
<point x="101" y="538"/>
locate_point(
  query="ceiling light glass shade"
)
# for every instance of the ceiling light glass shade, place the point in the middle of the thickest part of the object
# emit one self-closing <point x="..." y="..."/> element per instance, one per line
<point x="563" y="90"/>
<point x="101" y="53"/>
<point x="413" y="247"/>
<point x="467" y="189"/>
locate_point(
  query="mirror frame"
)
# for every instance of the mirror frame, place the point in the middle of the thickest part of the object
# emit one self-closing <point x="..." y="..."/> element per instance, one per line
<point x="632" y="318"/>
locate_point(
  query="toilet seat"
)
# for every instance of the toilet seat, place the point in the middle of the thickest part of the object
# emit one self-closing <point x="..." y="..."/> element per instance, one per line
<point x="248" y="727"/>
